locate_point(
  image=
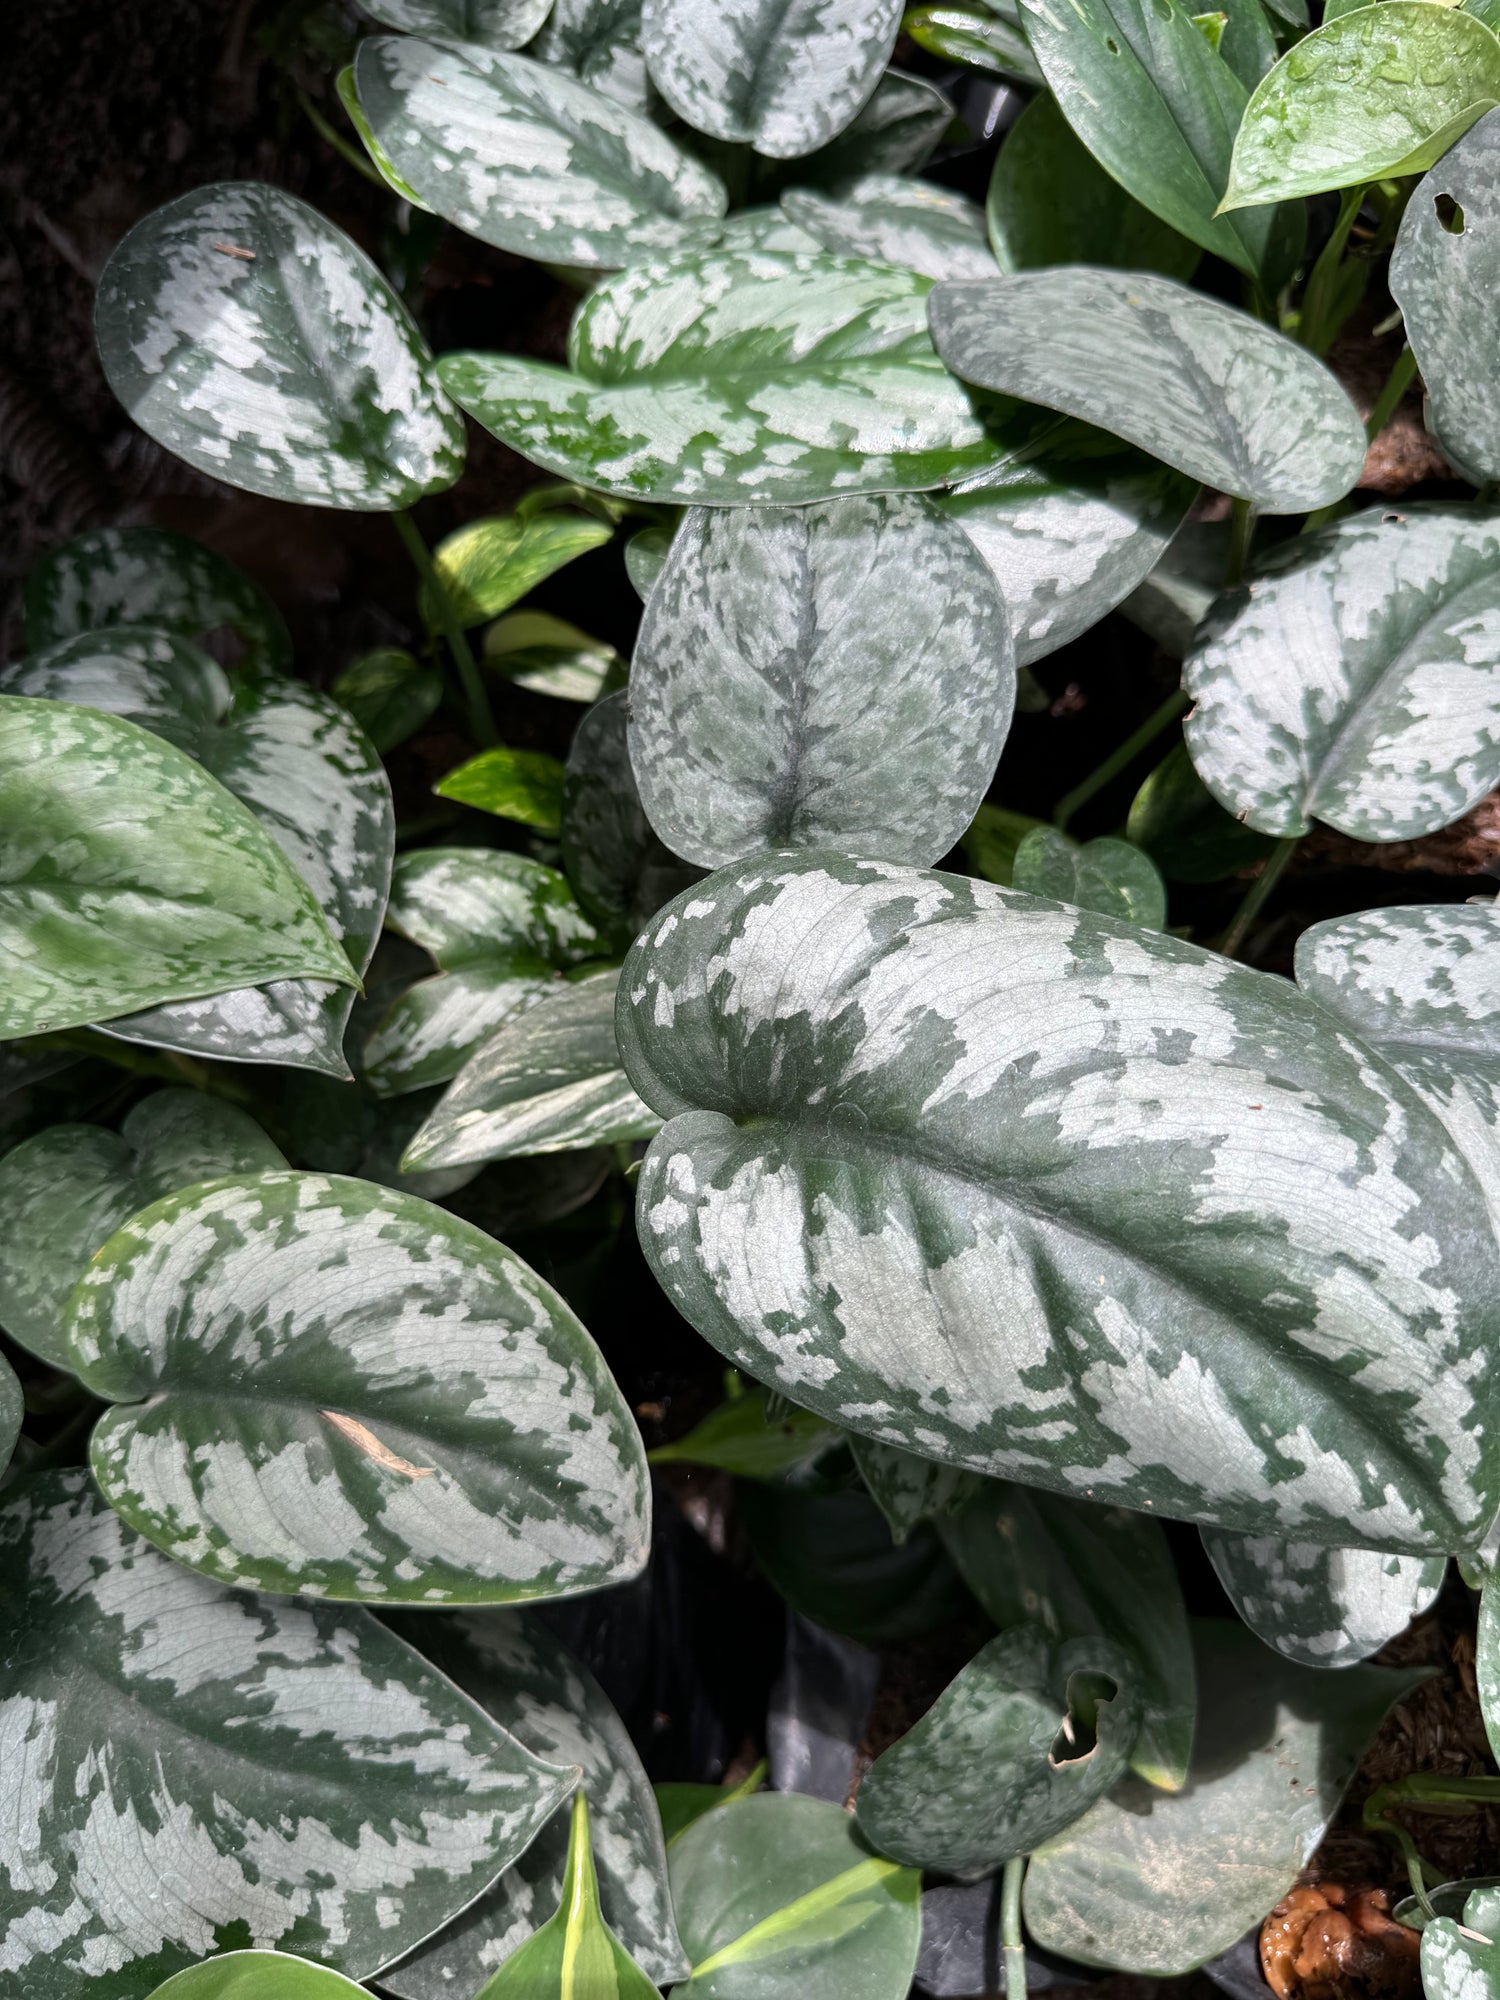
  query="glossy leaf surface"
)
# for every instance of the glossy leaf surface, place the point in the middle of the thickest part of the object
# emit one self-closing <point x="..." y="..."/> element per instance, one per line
<point x="256" y="1975"/>
<point x="1322" y="1607"/>
<point x="494" y="24"/>
<point x="523" y="785"/>
<point x="979" y="37"/>
<point x="890" y="219"/>
<point x="487" y="566"/>
<point x="1108" y="876"/>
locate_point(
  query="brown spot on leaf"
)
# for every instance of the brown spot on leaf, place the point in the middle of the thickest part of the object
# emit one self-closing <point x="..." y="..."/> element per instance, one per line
<point x="361" y="1435"/>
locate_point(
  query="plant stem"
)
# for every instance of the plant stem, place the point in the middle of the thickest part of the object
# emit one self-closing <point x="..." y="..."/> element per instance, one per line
<point x="1159" y="719"/>
<point x="1241" y="534"/>
<point x="1396" y="385"/>
<point x="1012" y="1943"/>
<point x="1314" y="331"/>
<point x="336" y="139"/>
<point x="1256" y="894"/>
<point x="481" y="721"/>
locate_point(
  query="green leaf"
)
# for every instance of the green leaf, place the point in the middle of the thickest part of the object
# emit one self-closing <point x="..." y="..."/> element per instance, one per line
<point x="549" y="656"/>
<point x="978" y="37"/>
<point x="599" y="43"/>
<point x="66" y="1190"/>
<point x="1322" y="1607"/>
<point x="1462" y="1962"/>
<point x="645" y="556"/>
<point x="418" y="1419"/>
<point x="1177" y="820"/>
<point x="784" y="76"/>
<point x="256" y="1975"/>
<point x="1157" y="1885"/>
<point x="1158" y="109"/>
<point x="1013" y="1750"/>
<point x="147" y="576"/>
<point x="547" y="1080"/>
<point x="1106" y="875"/>
<point x="1443" y="274"/>
<point x="895" y="133"/>
<point x="487" y="566"/>
<point x="837" y="676"/>
<point x="336" y="1126"/>
<point x="389" y="694"/>
<point x="1355" y="680"/>
<point x="741" y="1436"/>
<point x="246" y="334"/>
<point x="534" y="1689"/>
<point x="493" y="24"/>
<point x="780" y="1890"/>
<point x="501" y="929"/>
<point x="908" y="1489"/>
<point x="732" y="377"/>
<point x="513" y="1198"/>
<point x="523" y="785"/>
<point x="1173" y="600"/>
<point x="129" y="876"/>
<point x="12" y="1410"/>
<point x="989" y="846"/>
<point x="195" y="1767"/>
<point x="908" y="1106"/>
<point x="348" y="95"/>
<point x="620" y="871"/>
<point x="1377" y="93"/>
<point x="680" y="1805"/>
<point x="1081" y="1571"/>
<point x="522" y="156"/>
<point x="1050" y="202"/>
<point x="312" y="780"/>
<point x="1198" y="384"/>
<point x="890" y="219"/>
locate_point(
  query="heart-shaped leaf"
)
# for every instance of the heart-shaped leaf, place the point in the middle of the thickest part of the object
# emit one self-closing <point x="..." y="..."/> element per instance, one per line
<point x="195" y="1766"/>
<point x="1013" y="1750"/>
<point x="257" y="1975"/>
<point x="1106" y="875"/>
<point x="1355" y="680"/>
<point x="389" y="694"/>
<point x="66" y="1190"/>
<point x="599" y="42"/>
<point x="889" y="219"/>
<point x="1462" y="1961"/>
<point x="908" y="1489"/>
<point x="726" y="378"/>
<point x="522" y="156"/>
<point x="487" y="566"/>
<point x="784" y="76"/>
<point x="835" y="676"/>
<point x="501" y="929"/>
<point x="1177" y="820"/>
<point x="129" y="876"/>
<point x="246" y="334"/>
<point x="534" y="1688"/>
<point x="1322" y="1607"/>
<point x="1198" y="384"/>
<point x="547" y="1080"/>
<point x="911" y="1101"/>
<point x="334" y="1390"/>
<point x="620" y="871"/>
<point x="743" y="1436"/>
<point x="550" y="656"/>
<point x="1377" y="93"/>
<point x="493" y="24"/>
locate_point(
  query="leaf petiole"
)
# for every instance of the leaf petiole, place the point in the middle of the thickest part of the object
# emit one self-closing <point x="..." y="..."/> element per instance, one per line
<point x="1161" y="718"/>
<point x="1011" y="1940"/>
<point x="481" y="719"/>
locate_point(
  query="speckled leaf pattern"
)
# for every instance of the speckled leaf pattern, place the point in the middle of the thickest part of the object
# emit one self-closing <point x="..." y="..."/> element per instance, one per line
<point x="331" y="1389"/>
<point x="1487" y="1662"/>
<point x="837" y="676"/>
<point x="1158" y="1885"/>
<point x="599" y="42"/>
<point x="889" y="219"/>
<point x="908" y="1107"/>
<point x="896" y="133"/>
<point x="1205" y="388"/>
<point x="12" y="1409"/>
<point x="257" y="1975"/>
<point x="246" y="334"/>
<point x="493" y="24"/>
<point x="547" y="1081"/>
<point x="534" y="1688"/>
<point x="1367" y="97"/>
<point x="993" y="1769"/>
<point x="619" y="870"/>
<point x="1106" y="875"/>
<point x="188" y="1766"/>
<point x="65" y="1191"/>
<point x="1444" y="279"/>
<point x="524" y="157"/>
<point x="1460" y="1967"/>
<point x="727" y="378"/>
<point x="1322" y="1607"/>
<point x="784" y="76"/>
<point x="1355" y="680"/>
<point x="905" y="1488"/>
<point x="149" y="576"/>
<point x="501" y="929"/>
<point x="129" y="876"/>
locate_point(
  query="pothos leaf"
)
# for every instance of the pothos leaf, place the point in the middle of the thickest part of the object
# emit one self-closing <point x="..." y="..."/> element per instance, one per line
<point x="257" y="1975"/>
<point x="917" y="1100"/>
<point x="891" y="219"/>
<point x="980" y="37"/>
<point x="417" y="1419"/>
<point x="494" y="24"/>
<point x="523" y="785"/>
<point x="743" y="1436"/>
<point x="1464" y="1959"/>
<point x="1108" y="876"/>
<point x="599" y="42"/>
<point x="620" y="871"/>
<point x="1177" y="820"/>
<point x="549" y="656"/>
<point x="12" y="1410"/>
<point x="908" y="1489"/>
<point x="1322" y="1607"/>
<point x="895" y="133"/>
<point x="193" y="1765"/>
<point x="246" y="334"/>
<point x="487" y="566"/>
<point x="390" y="695"/>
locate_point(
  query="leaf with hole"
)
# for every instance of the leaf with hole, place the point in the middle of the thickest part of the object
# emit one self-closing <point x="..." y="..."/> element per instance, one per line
<point x="619" y="869"/>
<point x="891" y="219"/>
<point x="1322" y="1607"/>
<point x="389" y="694"/>
<point x="493" y="24"/>
<point x="1107" y="875"/>
<point x="523" y="785"/>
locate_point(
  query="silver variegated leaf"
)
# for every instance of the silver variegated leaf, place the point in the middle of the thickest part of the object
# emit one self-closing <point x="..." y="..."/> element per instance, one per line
<point x="837" y="676"/>
<point x="327" y="1388"/>
<point x="620" y="871"/>
<point x="908" y="1489"/>
<point x="501" y="928"/>
<point x="784" y="76"/>
<point x="907" y="1108"/>
<point x="547" y="1081"/>
<point x="1200" y="385"/>
<point x="65" y="1191"/>
<point x="1461" y="1960"/>
<point x="769" y="228"/>
<point x="522" y="156"/>
<point x="493" y="24"/>
<point x="534" y="1688"/>
<point x="1356" y="679"/>
<point x="1322" y="1607"/>
<point x="1106" y="875"/>
<point x="246" y="334"/>
<point x="892" y="219"/>
<point x="12" y="1410"/>
<point x="599" y="42"/>
<point x="724" y="378"/>
<point x="896" y="133"/>
<point x="188" y="1766"/>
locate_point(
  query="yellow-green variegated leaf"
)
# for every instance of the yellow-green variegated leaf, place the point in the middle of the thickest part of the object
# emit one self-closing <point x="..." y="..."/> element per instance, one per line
<point x="1322" y="1607"/>
<point x="487" y="566"/>
<point x="190" y="1767"/>
<point x="907" y="1109"/>
<point x="727" y="377"/>
<point x="65" y="1191"/>
<point x="599" y="42"/>
<point x="246" y="334"/>
<point x="1356" y="680"/>
<point x="522" y="156"/>
<point x="892" y="219"/>
<point x="129" y="877"/>
<point x="833" y="676"/>
<point x="327" y="1388"/>
<point x="493" y="24"/>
